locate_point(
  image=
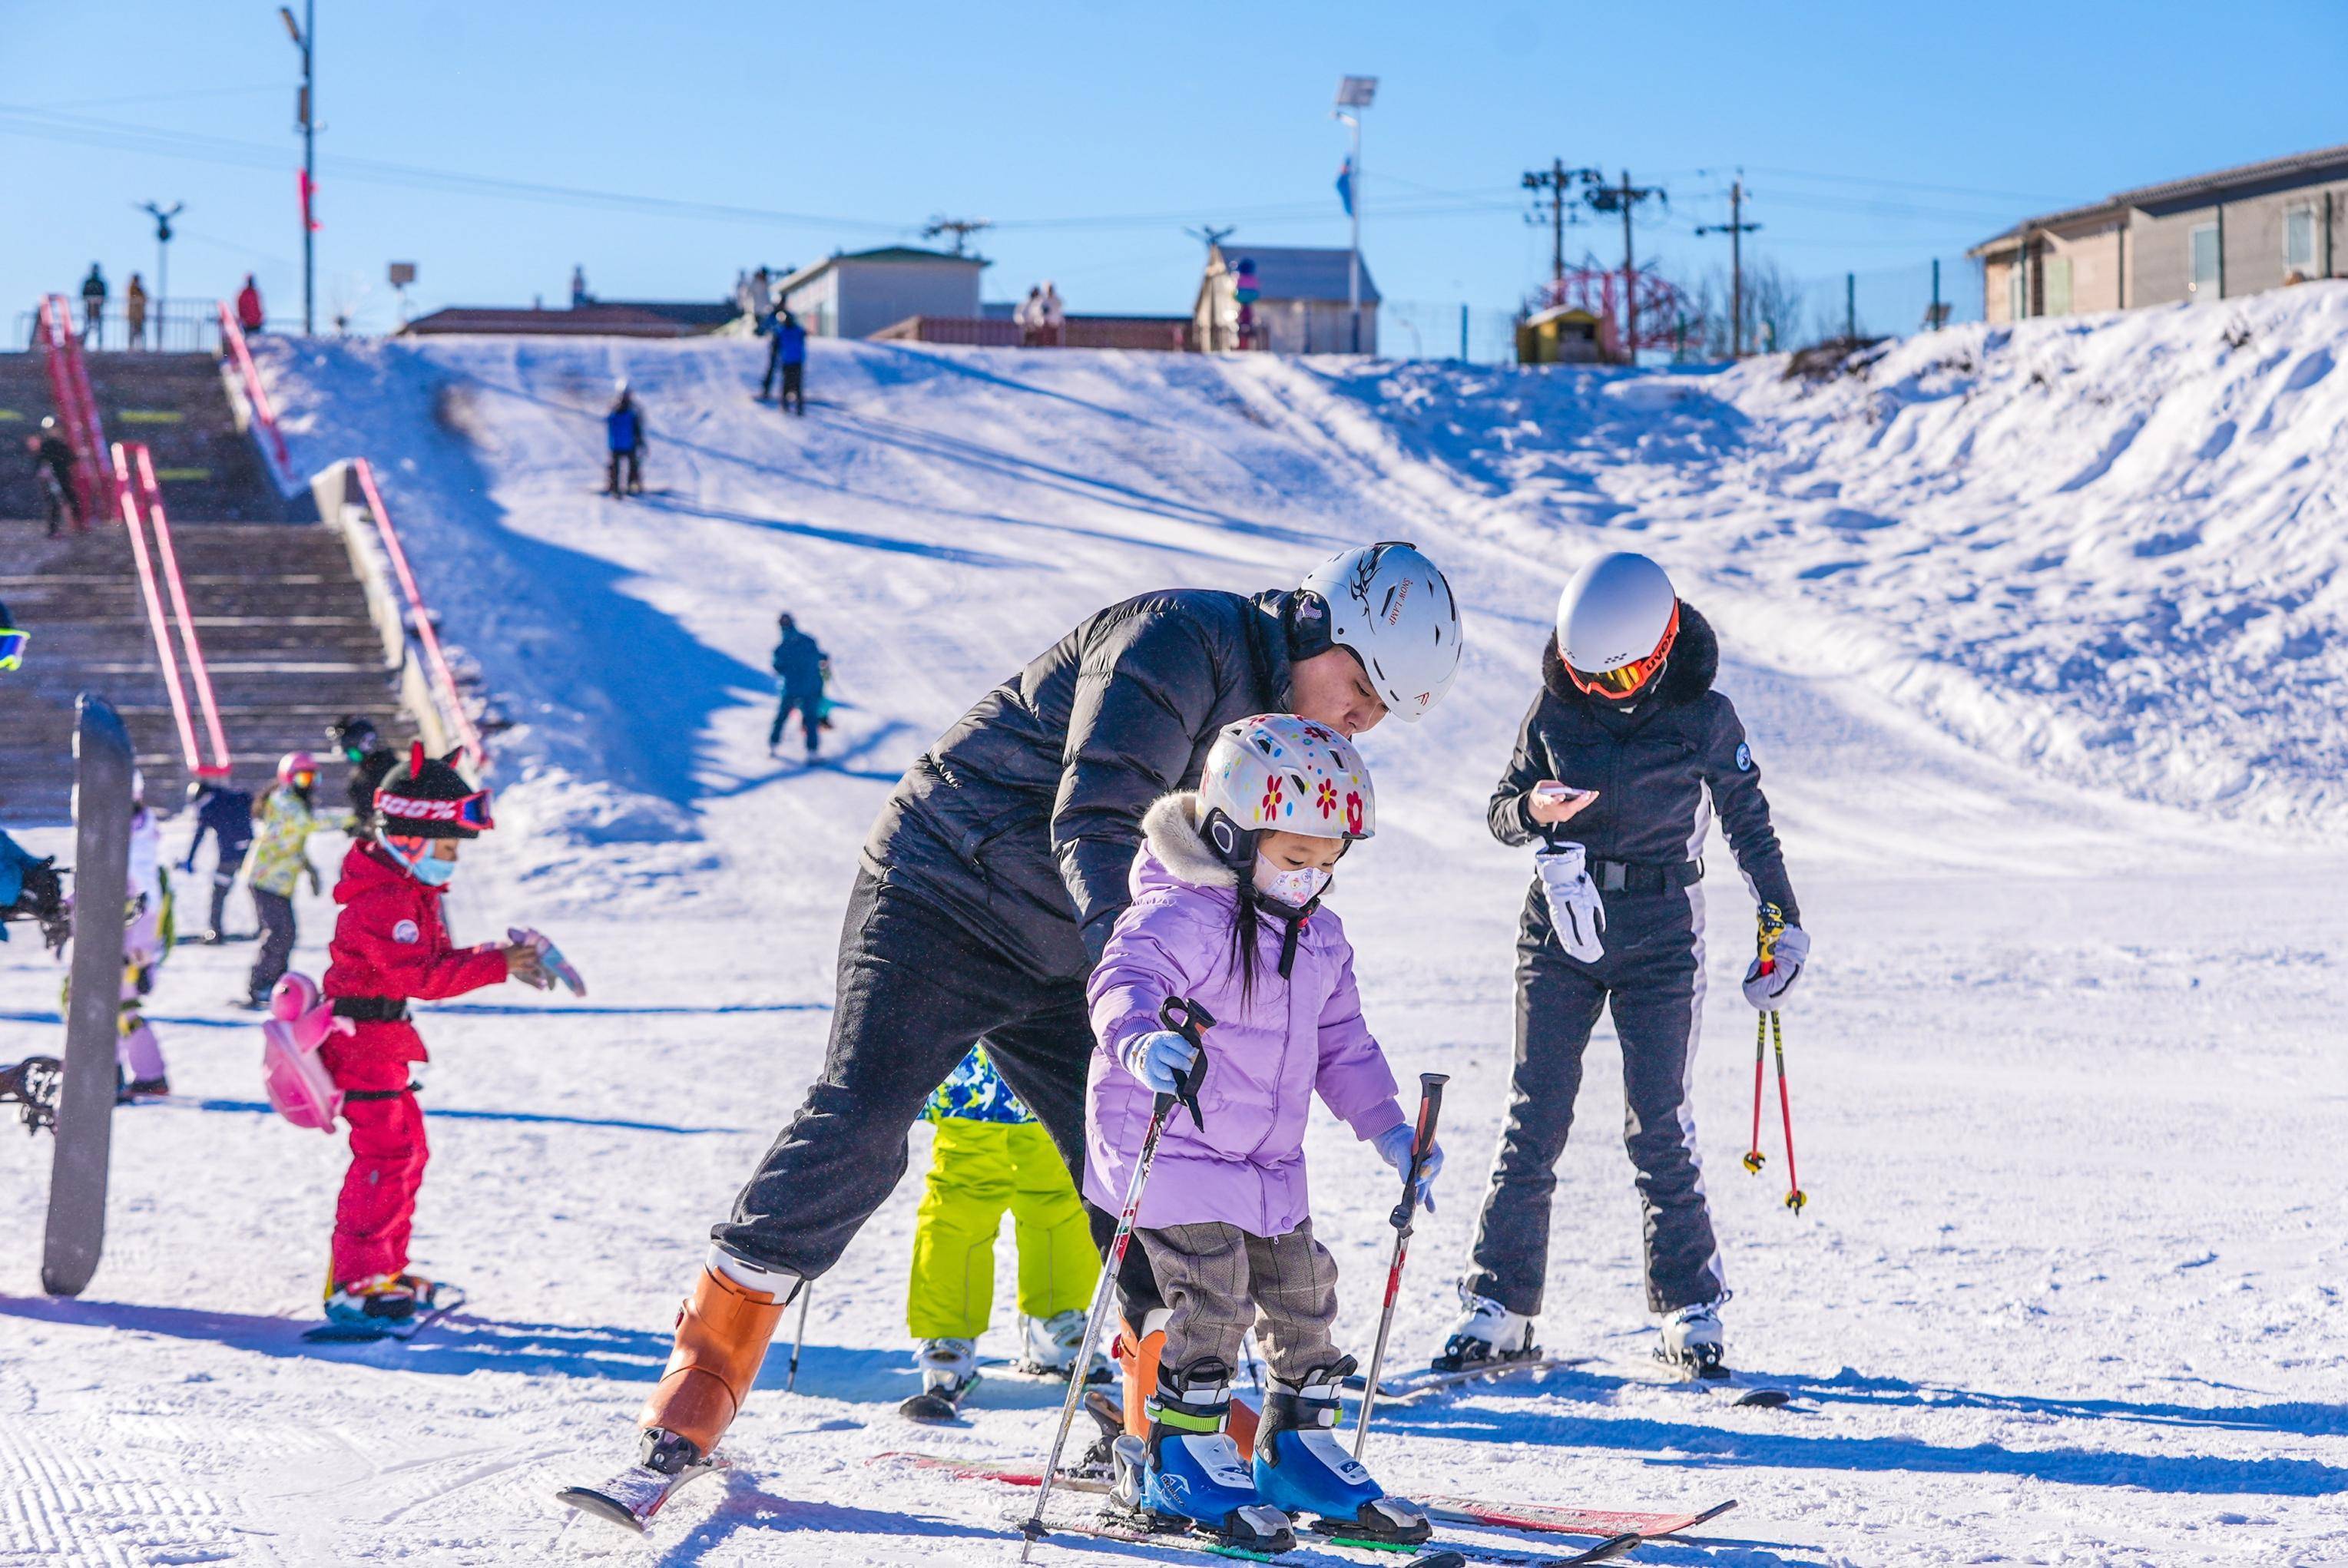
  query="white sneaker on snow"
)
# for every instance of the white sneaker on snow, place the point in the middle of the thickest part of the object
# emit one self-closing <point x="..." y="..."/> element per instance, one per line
<point x="1485" y="1331"/>
<point x="948" y="1365"/>
<point x="1051" y="1345"/>
<point x="1692" y="1341"/>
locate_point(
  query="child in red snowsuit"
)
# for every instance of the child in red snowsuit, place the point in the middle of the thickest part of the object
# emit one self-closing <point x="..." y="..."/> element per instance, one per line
<point x="391" y="944"/>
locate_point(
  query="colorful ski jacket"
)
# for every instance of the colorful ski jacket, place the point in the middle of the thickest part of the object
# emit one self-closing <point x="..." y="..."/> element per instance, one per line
<point x="391" y="941"/>
<point x="974" y="1092"/>
<point x="1267" y="1055"/>
<point x="281" y="854"/>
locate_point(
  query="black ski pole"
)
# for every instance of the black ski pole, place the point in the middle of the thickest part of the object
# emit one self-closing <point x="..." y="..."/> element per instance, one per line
<point x="798" y="1337"/>
<point x="1430" y="1106"/>
<point x="1187" y="1019"/>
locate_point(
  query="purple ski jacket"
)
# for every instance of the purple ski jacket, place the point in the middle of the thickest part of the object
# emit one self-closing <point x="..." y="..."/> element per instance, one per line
<point x="1265" y="1058"/>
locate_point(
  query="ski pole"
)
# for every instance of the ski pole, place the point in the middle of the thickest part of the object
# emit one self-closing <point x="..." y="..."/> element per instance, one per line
<point x="1187" y="1019"/>
<point x="1771" y="921"/>
<point x="1430" y="1106"/>
<point x="1795" y="1197"/>
<point x="798" y="1337"/>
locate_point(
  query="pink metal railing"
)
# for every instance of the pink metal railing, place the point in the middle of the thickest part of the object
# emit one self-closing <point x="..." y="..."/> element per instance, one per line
<point x="76" y="406"/>
<point x="422" y="617"/>
<point x="239" y="352"/>
<point x="199" y="675"/>
<point x="128" y="501"/>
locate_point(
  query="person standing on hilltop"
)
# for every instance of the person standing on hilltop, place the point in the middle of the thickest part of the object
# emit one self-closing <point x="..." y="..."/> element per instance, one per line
<point x="134" y="312"/>
<point x="248" y="314"/>
<point x="624" y="436"/>
<point x="93" y="308"/>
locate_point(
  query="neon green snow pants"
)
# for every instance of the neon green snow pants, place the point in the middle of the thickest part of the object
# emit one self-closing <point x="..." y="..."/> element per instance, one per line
<point x="980" y="1169"/>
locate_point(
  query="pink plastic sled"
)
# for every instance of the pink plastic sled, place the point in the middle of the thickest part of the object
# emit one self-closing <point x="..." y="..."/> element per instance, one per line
<point x="296" y="1080"/>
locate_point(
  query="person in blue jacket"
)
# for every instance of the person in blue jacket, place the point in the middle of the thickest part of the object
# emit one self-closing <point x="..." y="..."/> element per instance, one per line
<point x="623" y="433"/>
<point x="801" y="670"/>
<point x="227" y="814"/>
<point x="787" y="354"/>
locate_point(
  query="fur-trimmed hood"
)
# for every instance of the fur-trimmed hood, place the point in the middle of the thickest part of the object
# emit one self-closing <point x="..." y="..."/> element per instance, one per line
<point x="1695" y="661"/>
<point x="1170" y="829"/>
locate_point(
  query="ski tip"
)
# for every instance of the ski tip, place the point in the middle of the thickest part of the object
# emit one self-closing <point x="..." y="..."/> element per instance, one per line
<point x="1446" y="1558"/>
<point x="586" y="1500"/>
<point x="1764" y="1399"/>
<point x="1608" y="1549"/>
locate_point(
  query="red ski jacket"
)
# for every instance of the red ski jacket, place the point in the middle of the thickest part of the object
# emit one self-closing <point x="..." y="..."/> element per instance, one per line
<point x="391" y="941"/>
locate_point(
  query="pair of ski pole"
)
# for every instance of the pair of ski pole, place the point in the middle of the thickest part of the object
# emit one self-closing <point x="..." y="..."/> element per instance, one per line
<point x="1769" y="1028"/>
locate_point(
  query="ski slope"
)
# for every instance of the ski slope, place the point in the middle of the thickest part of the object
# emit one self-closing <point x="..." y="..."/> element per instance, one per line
<point x="2034" y="635"/>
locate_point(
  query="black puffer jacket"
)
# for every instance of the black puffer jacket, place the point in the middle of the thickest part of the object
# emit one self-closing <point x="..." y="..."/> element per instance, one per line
<point x="1024" y="817"/>
<point x="1661" y="770"/>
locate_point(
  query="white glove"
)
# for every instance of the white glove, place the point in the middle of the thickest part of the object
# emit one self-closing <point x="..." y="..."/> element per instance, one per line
<point x="1574" y="907"/>
<point x="1767" y="992"/>
<point x="1159" y="1058"/>
<point x="1393" y="1147"/>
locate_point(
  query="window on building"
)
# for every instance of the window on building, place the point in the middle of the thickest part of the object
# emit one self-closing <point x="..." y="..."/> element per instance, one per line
<point x="2017" y="291"/>
<point x="2299" y="241"/>
<point x="2205" y="261"/>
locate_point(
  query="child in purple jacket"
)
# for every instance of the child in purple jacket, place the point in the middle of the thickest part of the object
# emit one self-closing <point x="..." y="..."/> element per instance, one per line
<point x="1227" y="911"/>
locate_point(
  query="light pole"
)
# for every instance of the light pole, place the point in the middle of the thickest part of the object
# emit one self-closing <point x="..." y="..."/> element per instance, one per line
<point x="163" y="263"/>
<point x="1355" y="93"/>
<point x="304" y="35"/>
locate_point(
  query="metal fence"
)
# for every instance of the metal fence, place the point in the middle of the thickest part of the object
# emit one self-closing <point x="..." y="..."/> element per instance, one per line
<point x="171" y="326"/>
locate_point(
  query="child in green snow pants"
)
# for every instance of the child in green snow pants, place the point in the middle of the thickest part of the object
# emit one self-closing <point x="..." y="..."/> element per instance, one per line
<point x="991" y="1155"/>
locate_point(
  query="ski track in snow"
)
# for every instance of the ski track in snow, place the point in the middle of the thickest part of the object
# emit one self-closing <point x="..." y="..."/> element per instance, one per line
<point x="2036" y="636"/>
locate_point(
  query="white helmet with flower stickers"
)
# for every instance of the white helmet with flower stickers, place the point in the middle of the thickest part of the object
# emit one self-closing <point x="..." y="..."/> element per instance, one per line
<point x="1278" y="770"/>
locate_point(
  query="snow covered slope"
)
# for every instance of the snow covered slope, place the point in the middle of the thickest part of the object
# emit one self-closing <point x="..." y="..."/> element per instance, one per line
<point x="2067" y="1289"/>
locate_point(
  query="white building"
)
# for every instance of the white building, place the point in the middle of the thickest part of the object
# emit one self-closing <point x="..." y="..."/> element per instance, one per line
<point x="858" y="293"/>
<point x="1302" y="304"/>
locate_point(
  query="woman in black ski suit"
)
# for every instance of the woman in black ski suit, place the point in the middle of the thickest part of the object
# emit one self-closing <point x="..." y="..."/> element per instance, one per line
<point x="1646" y="751"/>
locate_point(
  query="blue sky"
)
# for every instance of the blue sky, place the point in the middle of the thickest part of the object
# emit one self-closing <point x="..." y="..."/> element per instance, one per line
<point x="1873" y="137"/>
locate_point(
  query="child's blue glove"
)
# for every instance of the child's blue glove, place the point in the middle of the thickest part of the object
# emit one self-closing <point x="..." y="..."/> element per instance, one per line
<point x="1393" y="1147"/>
<point x="1158" y="1059"/>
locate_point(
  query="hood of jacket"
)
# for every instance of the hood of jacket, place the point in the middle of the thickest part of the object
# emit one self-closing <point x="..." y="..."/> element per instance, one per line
<point x="1694" y="665"/>
<point x="1178" y="851"/>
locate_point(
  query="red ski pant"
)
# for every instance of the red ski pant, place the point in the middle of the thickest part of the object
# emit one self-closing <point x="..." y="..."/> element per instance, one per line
<point x="377" y="1208"/>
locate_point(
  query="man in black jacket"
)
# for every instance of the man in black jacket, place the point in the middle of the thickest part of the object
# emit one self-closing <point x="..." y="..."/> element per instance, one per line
<point x="1618" y="768"/>
<point x="990" y="884"/>
<point x="371" y="763"/>
<point x="53" y="466"/>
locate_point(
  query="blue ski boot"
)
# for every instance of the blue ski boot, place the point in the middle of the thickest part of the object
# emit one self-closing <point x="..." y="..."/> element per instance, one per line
<point x="1189" y="1475"/>
<point x="1302" y="1468"/>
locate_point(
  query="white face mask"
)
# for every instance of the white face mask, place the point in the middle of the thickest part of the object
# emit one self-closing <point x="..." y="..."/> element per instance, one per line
<point x="1295" y="889"/>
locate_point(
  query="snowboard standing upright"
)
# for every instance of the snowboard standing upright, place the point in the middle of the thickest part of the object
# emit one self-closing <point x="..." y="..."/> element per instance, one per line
<point x="84" y="1119"/>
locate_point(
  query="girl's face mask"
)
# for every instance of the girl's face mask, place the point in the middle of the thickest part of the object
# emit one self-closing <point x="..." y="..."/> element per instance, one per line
<point x="1295" y="888"/>
<point x="432" y="871"/>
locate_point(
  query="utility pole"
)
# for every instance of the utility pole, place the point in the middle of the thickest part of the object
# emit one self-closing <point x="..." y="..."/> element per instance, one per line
<point x="1355" y="93"/>
<point x="1556" y="179"/>
<point x="304" y="36"/>
<point x="1850" y="307"/>
<point x="1735" y="228"/>
<point x="1625" y="198"/>
<point x="1210" y="236"/>
<point x="162" y="217"/>
<point x="962" y="229"/>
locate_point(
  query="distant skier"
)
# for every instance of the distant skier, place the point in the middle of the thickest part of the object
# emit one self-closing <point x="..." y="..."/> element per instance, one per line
<point x="280" y="859"/>
<point x="93" y="308"/>
<point x="227" y="814"/>
<point x="371" y="763"/>
<point x="53" y="467"/>
<point x="787" y="354"/>
<point x="1227" y="912"/>
<point x="250" y="316"/>
<point x="1614" y="921"/>
<point x="134" y="312"/>
<point x="623" y="433"/>
<point x="391" y="943"/>
<point x="990" y="1155"/>
<point x="801" y="669"/>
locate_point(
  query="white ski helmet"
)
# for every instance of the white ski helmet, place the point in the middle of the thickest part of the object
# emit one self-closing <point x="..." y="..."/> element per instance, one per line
<point x="1278" y="770"/>
<point x="1388" y="606"/>
<point x="1616" y="622"/>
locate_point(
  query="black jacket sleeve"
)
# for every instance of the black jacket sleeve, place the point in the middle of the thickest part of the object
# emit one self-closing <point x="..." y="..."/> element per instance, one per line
<point x="1734" y="780"/>
<point x="1527" y="767"/>
<point x="1144" y="694"/>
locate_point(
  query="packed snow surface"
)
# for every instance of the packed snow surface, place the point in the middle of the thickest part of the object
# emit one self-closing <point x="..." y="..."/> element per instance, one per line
<point x="2036" y="635"/>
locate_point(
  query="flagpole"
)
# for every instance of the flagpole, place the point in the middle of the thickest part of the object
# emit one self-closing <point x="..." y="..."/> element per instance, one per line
<point x="1355" y="93"/>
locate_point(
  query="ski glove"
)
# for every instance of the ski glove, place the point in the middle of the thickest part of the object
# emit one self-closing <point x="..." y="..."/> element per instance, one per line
<point x="1393" y="1147"/>
<point x="1159" y="1058"/>
<point x="1575" y="910"/>
<point x="1767" y="992"/>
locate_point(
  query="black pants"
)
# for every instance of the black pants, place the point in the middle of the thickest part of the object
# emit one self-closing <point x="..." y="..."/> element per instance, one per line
<point x="917" y="990"/>
<point x="223" y="878"/>
<point x="634" y="461"/>
<point x="1652" y="979"/>
<point x="794" y="389"/>
<point x="276" y="912"/>
<point x="808" y="706"/>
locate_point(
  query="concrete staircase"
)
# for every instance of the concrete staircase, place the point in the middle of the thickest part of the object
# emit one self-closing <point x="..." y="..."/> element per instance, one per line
<point x="176" y="403"/>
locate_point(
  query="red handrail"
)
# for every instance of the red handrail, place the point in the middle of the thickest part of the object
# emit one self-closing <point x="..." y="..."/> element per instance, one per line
<point x="76" y="406"/>
<point x="200" y="674"/>
<point x="425" y="631"/>
<point x="129" y="504"/>
<point x="263" y="414"/>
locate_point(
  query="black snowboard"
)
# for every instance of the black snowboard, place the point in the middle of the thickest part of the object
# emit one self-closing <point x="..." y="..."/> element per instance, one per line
<point x="77" y="1225"/>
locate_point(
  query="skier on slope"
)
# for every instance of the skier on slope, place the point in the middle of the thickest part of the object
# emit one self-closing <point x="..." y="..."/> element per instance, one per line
<point x="1624" y="756"/>
<point x="1227" y="912"/>
<point x="801" y="668"/>
<point x="786" y="358"/>
<point x="227" y="814"/>
<point x="990" y="1154"/>
<point x="53" y="469"/>
<point x="989" y="884"/>
<point x="624" y="436"/>
<point x="281" y="859"/>
<point x="391" y="943"/>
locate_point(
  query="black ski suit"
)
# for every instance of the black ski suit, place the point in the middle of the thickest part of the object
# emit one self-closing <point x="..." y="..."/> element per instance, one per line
<point x="1661" y="772"/>
<point x="368" y="774"/>
<point x="988" y="887"/>
<point x="227" y="814"/>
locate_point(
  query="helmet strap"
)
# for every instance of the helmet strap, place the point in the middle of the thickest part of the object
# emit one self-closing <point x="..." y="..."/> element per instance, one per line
<point x="1229" y="842"/>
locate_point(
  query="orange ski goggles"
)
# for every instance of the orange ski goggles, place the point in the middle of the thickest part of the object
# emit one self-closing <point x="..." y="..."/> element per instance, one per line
<point x="1628" y="680"/>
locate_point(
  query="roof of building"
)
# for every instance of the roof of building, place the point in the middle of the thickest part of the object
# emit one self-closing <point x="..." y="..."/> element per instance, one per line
<point x="878" y="253"/>
<point x="1296" y="272"/>
<point x="600" y="318"/>
<point x="2273" y="171"/>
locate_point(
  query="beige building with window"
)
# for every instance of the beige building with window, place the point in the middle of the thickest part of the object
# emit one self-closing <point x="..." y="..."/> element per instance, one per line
<point x="2210" y="237"/>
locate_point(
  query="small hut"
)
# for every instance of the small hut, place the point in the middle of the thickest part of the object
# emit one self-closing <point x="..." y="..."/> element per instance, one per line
<point x="1562" y="334"/>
